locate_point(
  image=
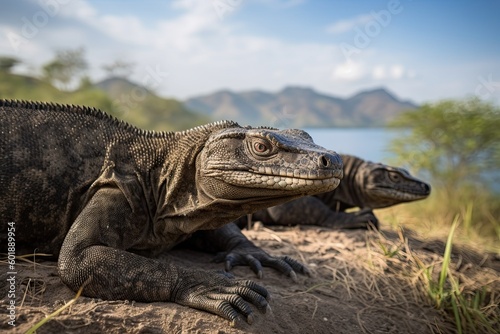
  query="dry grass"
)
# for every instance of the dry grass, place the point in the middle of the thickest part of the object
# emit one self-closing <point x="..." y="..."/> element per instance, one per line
<point x="54" y="314"/>
<point x="395" y="276"/>
<point x="474" y="304"/>
<point x="479" y="215"/>
<point x="387" y="278"/>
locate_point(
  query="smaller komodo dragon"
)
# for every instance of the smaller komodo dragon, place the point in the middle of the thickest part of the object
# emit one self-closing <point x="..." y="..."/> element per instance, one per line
<point x="366" y="185"/>
<point x="106" y="198"/>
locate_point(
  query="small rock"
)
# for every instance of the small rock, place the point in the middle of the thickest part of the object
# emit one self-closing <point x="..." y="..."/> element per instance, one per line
<point x="258" y="225"/>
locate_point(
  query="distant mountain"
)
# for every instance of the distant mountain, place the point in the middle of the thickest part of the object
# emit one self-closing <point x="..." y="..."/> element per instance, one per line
<point x="23" y="87"/>
<point x="301" y="107"/>
<point x="142" y="107"/>
<point x="116" y="96"/>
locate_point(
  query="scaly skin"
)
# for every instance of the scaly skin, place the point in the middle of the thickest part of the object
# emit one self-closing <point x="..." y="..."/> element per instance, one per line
<point x="366" y="185"/>
<point x="105" y="198"/>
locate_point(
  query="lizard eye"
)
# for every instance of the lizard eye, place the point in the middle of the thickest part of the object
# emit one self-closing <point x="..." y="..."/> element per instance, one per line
<point x="261" y="147"/>
<point x="394" y="177"/>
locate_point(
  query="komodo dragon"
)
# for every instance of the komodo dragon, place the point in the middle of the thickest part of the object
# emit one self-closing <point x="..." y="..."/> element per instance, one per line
<point x="106" y="197"/>
<point x="366" y="185"/>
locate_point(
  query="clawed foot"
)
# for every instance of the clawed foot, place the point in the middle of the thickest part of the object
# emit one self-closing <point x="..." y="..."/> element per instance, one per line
<point x="219" y="294"/>
<point x="256" y="258"/>
<point x="366" y="217"/>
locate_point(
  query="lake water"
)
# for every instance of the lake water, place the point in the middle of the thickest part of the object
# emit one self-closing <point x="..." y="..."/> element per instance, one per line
<point x="367" y="143"/>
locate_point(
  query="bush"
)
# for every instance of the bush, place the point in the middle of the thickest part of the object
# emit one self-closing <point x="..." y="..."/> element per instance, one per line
<point x="456" y="145"/>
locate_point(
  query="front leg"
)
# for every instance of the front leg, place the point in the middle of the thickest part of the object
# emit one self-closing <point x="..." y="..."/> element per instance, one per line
<point x="312" y="211"/>
<point x="95" y="254"/>
<point x="234" y="249"/>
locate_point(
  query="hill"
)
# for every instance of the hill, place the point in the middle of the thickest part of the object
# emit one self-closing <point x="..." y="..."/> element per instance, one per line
<point x="118" y="97"/>
<point x="291" y="107"/>
<point x="301" y="107"/>
<point x="139" y="105"/>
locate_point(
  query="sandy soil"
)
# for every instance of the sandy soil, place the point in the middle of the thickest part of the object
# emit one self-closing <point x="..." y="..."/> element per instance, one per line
<point x="362" y="282"/>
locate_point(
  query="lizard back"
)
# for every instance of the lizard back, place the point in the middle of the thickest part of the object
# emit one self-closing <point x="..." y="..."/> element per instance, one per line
<point x="50" y="155"/>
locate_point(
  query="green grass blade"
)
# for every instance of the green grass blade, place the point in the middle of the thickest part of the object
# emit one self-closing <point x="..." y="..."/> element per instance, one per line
<point x="55" y="313"/>
<point x="456" y="313"/>
<point x="468" y="217"/>
<point x="447" y="257"/>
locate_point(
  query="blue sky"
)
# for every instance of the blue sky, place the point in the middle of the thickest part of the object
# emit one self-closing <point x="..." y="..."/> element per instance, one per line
<point x="419" y="50"/>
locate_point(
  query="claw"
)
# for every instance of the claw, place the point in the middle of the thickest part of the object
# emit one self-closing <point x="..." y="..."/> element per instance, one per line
<point x="250" y="319"/>
<point x="260" y="274"/>
<point x="228" y="266"/>
<point x="256" y="258"/>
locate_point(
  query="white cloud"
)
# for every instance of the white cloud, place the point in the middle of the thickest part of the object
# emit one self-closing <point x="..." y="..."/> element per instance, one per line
<point x="125" y="29"/>
<point x="349" y="70"/>
<point x="412" y="74"/>
<point x="392" y="72"/>
<point x="203" y="53"/>
<point x="277" y="3"/>
<point x="343" y="26"/>
<point x="187" y="4"/>
<point x="81" y="10"/>
<point x="379" y="72"/>
<point x="397" y="71"/>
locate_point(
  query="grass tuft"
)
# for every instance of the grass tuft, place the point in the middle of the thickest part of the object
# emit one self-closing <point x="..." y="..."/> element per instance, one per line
<point x="55" y="313"/>
<point x="469" y="309"/>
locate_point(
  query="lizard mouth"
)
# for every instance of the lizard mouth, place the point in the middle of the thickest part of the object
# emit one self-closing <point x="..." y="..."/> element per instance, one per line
<point x="321" y="180"/>
<point x="403" y="194"/>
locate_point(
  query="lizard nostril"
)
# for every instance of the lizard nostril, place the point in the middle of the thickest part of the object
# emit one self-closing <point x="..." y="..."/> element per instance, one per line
<point x="324" y="161"/>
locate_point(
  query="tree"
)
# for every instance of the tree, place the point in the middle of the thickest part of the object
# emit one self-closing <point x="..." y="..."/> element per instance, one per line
<point x="455" y="142"/>
<point x="118" y="68"/>
<point x="65" y="67"/>
<point x="7" y="63"/>
<point x="85" y="83"/>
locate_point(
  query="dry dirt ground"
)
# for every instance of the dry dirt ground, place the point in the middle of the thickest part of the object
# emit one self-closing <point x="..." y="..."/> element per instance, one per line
<point x="362" y="282"/>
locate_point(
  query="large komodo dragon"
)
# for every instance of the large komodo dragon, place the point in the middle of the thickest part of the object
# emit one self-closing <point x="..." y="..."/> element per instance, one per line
<point x="106" y="197"/>
<point x="366" y="185"/>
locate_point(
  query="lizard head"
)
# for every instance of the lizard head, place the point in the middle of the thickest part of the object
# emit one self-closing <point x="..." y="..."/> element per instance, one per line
<point x="265" y="165"/>
<point x="385" y="185"/>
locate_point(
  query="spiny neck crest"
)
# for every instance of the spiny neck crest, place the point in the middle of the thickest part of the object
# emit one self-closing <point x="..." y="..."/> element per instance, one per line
<point x="209" y="128"/>
<point x="80" y="110"/>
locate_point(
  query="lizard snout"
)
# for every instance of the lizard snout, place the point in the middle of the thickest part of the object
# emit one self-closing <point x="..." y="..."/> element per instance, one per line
<point x="329" y="161"/>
